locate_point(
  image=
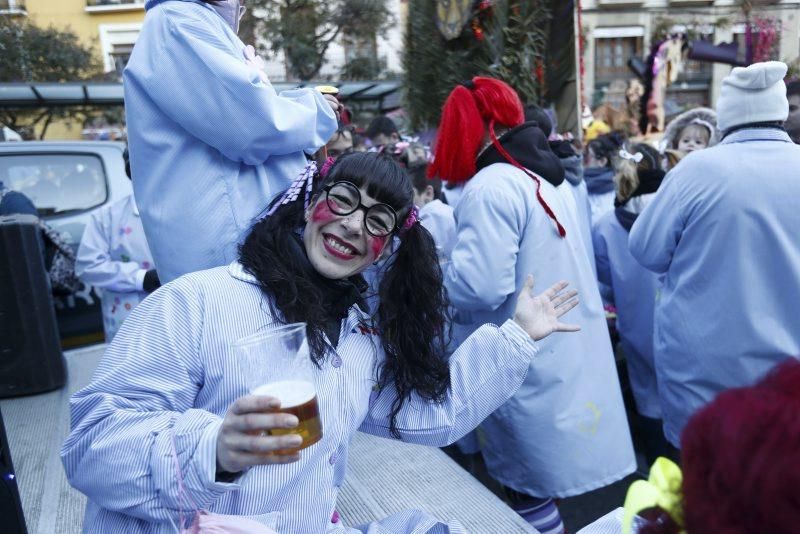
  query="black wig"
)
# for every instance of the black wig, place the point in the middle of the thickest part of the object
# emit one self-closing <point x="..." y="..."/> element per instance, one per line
<point x="412" y="311"/>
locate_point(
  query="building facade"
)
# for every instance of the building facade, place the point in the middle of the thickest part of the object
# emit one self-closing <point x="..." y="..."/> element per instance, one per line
<point x="110" y="28"/>
<point x="616" y="30"/>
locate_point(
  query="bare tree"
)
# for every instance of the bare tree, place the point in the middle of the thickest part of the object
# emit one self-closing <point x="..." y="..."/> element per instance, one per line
<point x="304" y="29"/>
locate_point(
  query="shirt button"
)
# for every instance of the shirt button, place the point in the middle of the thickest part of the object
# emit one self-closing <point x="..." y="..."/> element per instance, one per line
<point x="333" y="458"/>
<point x="337" y="361"/>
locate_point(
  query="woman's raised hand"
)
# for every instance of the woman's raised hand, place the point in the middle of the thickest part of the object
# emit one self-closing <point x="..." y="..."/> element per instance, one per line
<point x="539" y="315"/>
<point x="243" y="441"/>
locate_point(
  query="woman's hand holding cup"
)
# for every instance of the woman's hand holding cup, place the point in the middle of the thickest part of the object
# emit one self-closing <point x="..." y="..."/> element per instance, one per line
<point x="539" y="315"/>
<point x="244" y="441"/>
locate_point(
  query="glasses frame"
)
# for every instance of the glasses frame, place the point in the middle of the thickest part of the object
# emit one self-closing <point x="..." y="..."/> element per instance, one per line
<point x="359" y="206"/>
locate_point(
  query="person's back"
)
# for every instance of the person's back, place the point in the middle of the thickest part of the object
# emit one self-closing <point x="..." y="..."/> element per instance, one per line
<point x="211" y="142"/>
<point x="733" y="278"/>
<point x="572" y="163"/>
<point x="567" y="423"/>
<point x="723" y="229"/>
<point x="634" y="290"/>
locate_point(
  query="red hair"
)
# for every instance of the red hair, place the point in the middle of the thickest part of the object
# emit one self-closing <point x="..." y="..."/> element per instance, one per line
<point x="465" y="116"/>
<point x="741" y="459"/>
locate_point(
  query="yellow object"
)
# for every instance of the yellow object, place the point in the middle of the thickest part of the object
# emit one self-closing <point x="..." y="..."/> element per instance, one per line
<point x="595" y="129"/>
<point x="327" y="89"/>
<point x="662" y="489"/>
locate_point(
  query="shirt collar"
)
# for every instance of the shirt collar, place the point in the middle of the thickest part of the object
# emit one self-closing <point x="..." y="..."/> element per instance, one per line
<point x="236" y="270"/>
<point x="757" y="134"/>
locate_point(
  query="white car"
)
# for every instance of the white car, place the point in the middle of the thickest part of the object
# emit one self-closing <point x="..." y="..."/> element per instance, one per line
<point x="67" y="180"/>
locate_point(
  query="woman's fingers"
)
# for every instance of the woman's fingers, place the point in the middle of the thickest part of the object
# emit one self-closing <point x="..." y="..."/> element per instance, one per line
<point x="261" y="444"/>
<point x="558" y="300"/>
<point x="255" y="403"/>
<point x="262" y="421"/>
<point x="555" y="289"/>
<point x="561" y="327"/>
<point x="566" y="306"/>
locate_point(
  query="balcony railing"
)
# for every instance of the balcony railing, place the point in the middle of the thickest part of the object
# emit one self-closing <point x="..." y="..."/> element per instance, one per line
<point x="113" y="3"/>
<point x="12" y="6"/>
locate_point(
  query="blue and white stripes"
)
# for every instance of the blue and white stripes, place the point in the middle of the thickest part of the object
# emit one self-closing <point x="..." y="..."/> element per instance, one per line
<point x="171" y="365"/>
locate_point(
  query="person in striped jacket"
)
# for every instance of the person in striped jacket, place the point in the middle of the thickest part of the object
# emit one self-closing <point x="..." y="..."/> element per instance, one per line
<point x="169" y="390"/>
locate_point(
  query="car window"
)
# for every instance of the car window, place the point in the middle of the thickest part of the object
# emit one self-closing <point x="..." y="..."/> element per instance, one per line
<point x="56" y="183"/>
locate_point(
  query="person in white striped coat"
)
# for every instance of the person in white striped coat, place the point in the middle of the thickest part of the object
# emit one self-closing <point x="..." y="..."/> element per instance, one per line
<point x="171" y="371"/>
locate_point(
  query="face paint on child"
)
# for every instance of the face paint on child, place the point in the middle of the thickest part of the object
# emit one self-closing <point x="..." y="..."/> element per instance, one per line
<point x="376" y="245"/>
<point x="322" y="214"/>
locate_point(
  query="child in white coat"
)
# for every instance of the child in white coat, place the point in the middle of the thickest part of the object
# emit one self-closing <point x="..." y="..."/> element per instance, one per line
<point x="114" y="257"/>
<point x="632" y="287"/>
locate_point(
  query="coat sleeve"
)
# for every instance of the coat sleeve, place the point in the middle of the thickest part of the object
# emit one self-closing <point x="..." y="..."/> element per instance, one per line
<point x="94" y="264"/>
<point x="482" y="273"/>
<point x="656" y="232"/>
<point x="442" y="226"/>
<point x="601" y="254"/>
<point x="197" y="81"/>
<point x="485" y="371"/>
<point x="119" y="450"/>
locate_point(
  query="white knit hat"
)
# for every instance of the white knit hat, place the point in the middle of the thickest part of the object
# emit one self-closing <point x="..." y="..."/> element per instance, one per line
<point x="753" y="94"/>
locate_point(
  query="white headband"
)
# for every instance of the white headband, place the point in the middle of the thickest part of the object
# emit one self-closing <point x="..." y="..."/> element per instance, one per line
<point x="624" y="154"/>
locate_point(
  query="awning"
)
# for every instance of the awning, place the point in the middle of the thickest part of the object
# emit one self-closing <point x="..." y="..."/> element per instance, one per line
<point x="36" y="95"/>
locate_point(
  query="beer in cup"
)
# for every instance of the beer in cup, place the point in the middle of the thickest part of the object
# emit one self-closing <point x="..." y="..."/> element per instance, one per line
<point x="298" y="398"/>
<point x="277" y="363"/>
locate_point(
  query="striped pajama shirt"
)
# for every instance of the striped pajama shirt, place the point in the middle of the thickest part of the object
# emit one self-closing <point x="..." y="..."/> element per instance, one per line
<point x="171" y="371"/>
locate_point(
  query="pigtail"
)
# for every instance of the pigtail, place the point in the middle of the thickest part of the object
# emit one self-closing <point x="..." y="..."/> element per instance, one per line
<point x="626" y="179"/>
<point x="459" y="138"/>
<point x="466" y="111"/>
<point x="412" y="318"/>
<point x="643" y="162"/>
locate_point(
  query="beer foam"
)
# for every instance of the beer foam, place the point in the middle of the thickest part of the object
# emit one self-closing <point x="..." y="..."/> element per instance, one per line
<point x="290" y="392"/>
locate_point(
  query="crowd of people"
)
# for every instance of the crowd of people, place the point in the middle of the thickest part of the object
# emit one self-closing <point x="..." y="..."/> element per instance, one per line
<point x="413" y="267"/>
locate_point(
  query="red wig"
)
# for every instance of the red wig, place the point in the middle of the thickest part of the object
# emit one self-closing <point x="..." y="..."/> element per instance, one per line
<point x="741" y="459"/>
<point x="468" y="111"/>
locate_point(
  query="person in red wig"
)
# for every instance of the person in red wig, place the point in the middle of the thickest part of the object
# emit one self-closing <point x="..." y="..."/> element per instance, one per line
<point x="740" y="457"/>
<point x="565" y="431"/>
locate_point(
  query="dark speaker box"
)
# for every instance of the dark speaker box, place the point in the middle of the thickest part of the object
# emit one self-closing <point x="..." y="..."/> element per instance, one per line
<point x="31" y="360"/>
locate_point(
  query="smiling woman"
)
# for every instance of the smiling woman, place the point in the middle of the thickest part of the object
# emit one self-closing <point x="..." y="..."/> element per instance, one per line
<point x="381" y="371"/>
<point x="323" y="247"/>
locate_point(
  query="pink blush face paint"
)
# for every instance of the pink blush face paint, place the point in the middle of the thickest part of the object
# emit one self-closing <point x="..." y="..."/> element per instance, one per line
<point x="376" y="245"/>
<point x="322" y="214"/>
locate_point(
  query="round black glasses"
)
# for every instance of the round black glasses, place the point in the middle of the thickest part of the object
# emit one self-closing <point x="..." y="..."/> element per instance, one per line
<point x="344" y="198"/>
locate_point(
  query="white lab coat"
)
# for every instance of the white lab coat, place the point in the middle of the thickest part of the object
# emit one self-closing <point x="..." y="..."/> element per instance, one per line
<point x="113" y="256"/>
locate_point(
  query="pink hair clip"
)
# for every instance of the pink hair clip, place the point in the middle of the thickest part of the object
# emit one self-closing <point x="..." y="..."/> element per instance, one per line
<point x="327" y="166"/>
<point x="411" y="220"/>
